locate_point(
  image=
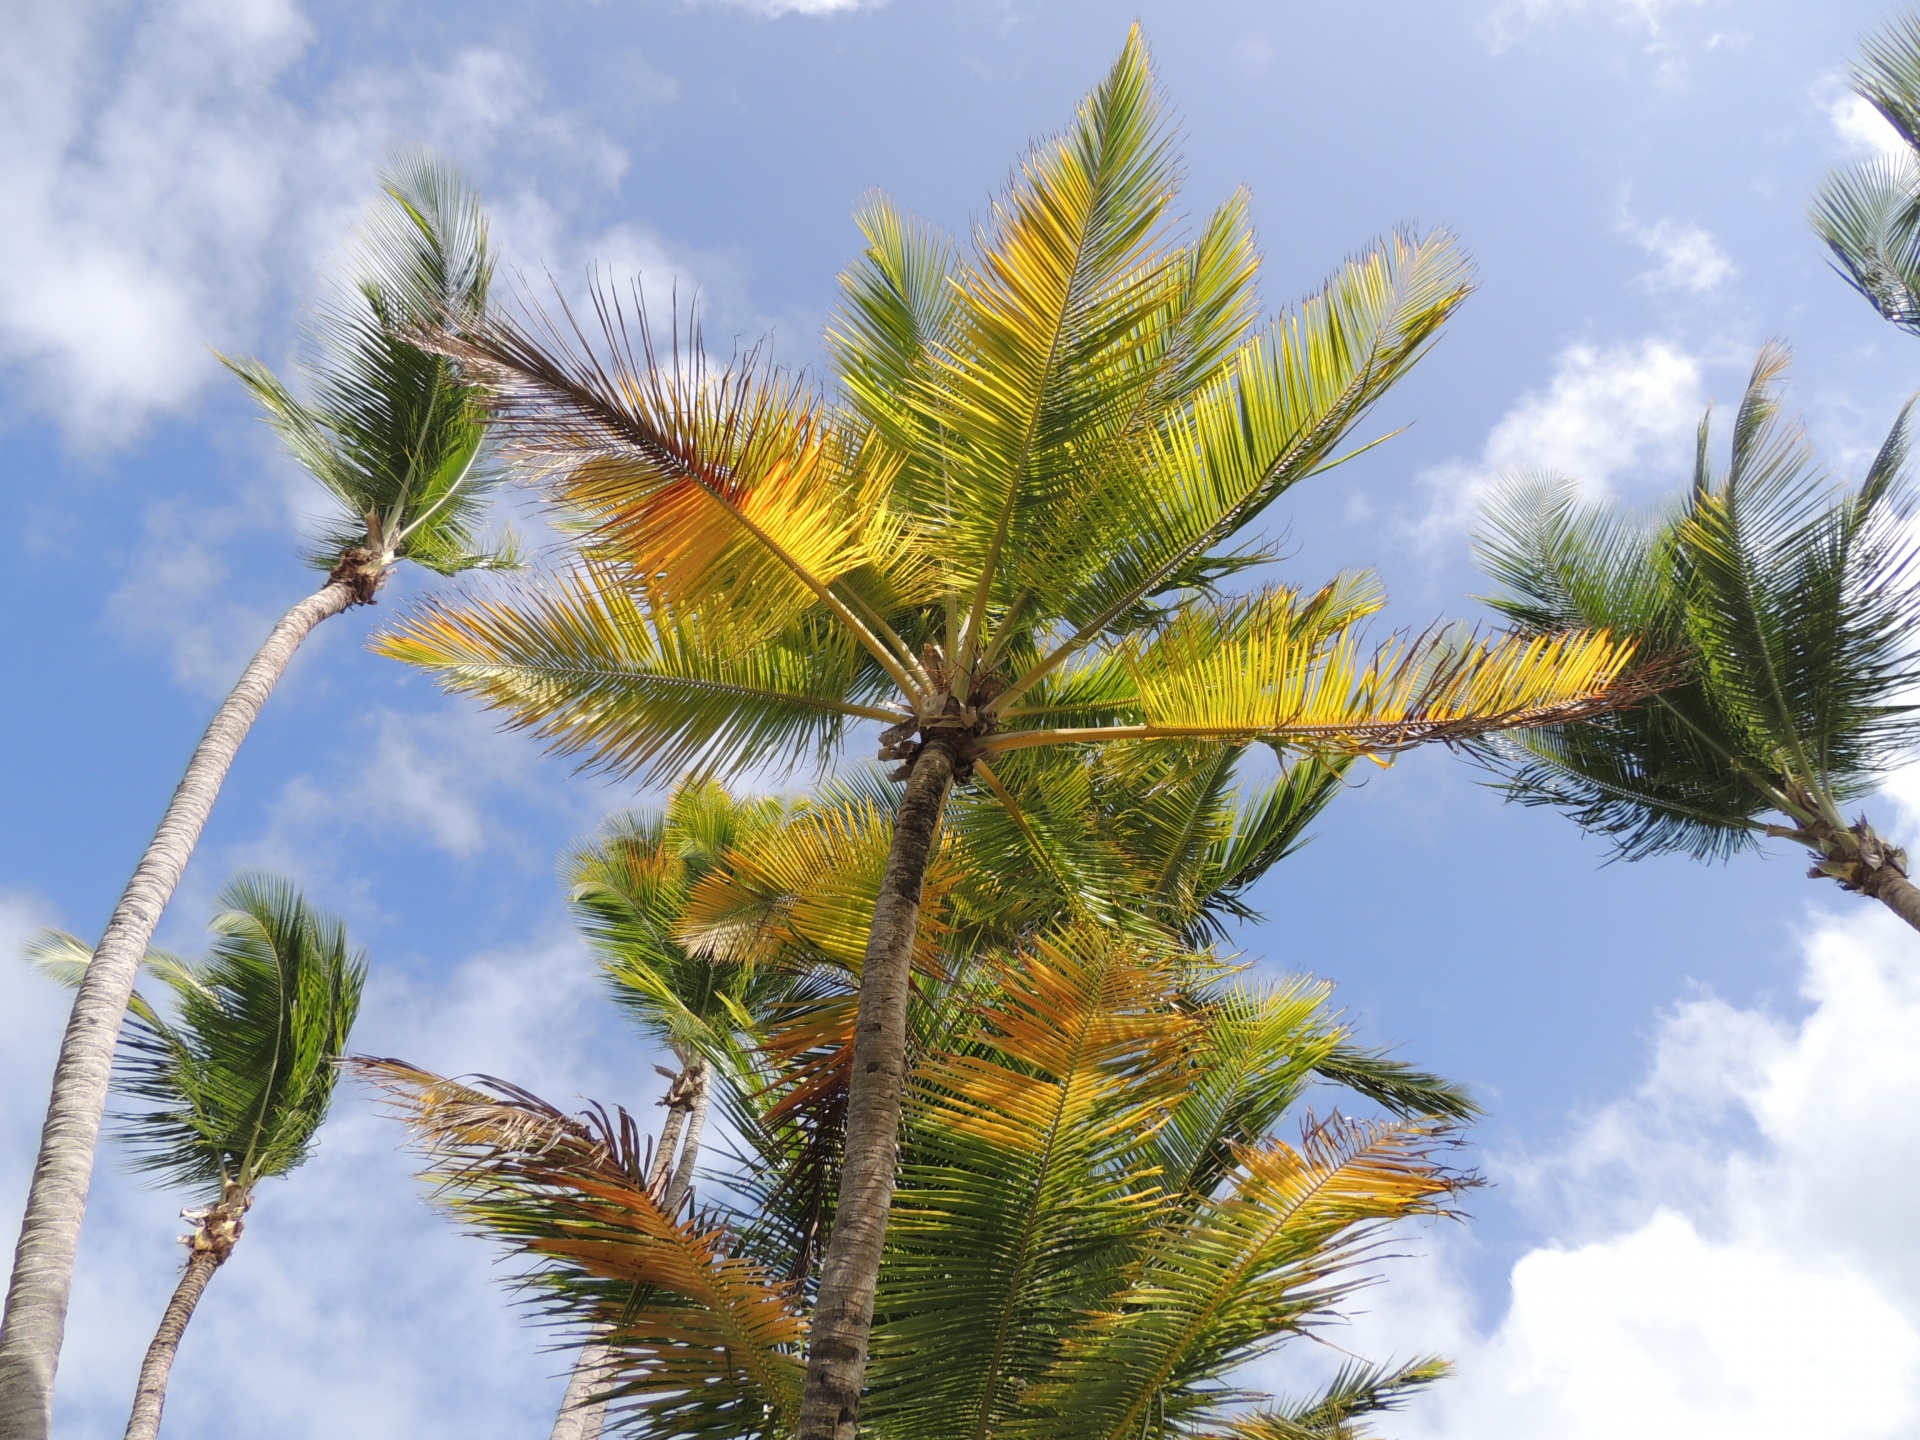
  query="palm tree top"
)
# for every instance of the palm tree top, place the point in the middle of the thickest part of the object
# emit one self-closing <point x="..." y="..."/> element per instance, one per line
<point x="1004" y="529"/>
<point x="1795" y="601"/>
<point x="392" y="433"/>
<point x="238" y="1071"/>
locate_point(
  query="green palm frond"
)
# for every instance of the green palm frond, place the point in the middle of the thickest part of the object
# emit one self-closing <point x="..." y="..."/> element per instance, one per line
<point x="238" y="1071"/>
<point x="1268" y="1258"/>
<point x="395" y="436"/>
<point x="1869" y="214"/>
<point x="1339" y="1412"/>
<point x="1792" y="602"/>
<point x="1028" y="1143"/>
<point x="636" y="691"/>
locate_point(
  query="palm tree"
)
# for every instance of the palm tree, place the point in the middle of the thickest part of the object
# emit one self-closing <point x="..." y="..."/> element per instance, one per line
<point x="629" y="890"/>
<point x="1869" y="214"/>
<point x="395" y="439"/>
<point x="1098" y="1224"/>
<point x="1791" y="605"/>
<point x="1007" y="533"/>
<point x="236" y="1082"/>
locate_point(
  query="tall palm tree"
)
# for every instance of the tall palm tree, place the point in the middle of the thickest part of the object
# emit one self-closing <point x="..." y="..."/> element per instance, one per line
<point x="1793" y="605"/>
<point x="394" y="437"/>
<point x="1098" y="1222"/>
<point x="236" y="1080"/>
<point x="1006" y="533"/>
<point x="1869" y="213"/>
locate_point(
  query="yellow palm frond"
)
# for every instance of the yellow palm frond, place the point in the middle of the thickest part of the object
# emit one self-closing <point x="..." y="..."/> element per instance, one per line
<point x="1261" y="1261"/>
<point x="810" y="885"/>
<point x="1268" y="669"/>
<point x="1024" y="1152"/>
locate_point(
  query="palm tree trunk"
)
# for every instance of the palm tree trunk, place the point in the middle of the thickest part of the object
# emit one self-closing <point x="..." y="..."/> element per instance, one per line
<point x="1862" y="861"/>
<point x="582" y="1417"/>
<point x="42" y="1278"/>
<point x="216" y="1230"/>
<point x="850" y="1270"/>
<point x="151" y="1393"/>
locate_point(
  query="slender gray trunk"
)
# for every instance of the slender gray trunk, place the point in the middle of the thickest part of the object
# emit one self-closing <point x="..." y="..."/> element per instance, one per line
<point x="215" y="1232"/>
<point x="151" y="1393"/>
<point x="42" y="1278"/>
<point x="850" y="1270"/>
<point x="581" y="1416"/>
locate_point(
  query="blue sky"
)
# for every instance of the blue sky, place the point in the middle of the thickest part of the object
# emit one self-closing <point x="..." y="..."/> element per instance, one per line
<point x="1699" y="1080"/>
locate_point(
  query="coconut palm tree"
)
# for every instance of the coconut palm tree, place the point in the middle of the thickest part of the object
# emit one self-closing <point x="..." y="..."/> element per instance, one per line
<point x="235" y="1081"/>
<point x="1792" y="605"/>
<point x="1098" y="1224"/>
<point x="629" y="890"/>
<point x="1008" y="532"/>
<point x="395" y="439"/>
<point x="1869" y="214"/>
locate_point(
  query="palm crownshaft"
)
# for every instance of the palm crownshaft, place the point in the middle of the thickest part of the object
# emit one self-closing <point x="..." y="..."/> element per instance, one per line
<point x="1007" y="535"/>
<point x="394" y="437"/>
<point x="1792" y="605"/>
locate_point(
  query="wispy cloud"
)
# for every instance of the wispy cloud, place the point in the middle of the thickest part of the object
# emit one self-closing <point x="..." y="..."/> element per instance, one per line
<point x="1509" y="21"/>
<point x="1686" y="257"/>
<point x="167" y="189"/>
<point x="1606" y="414"/>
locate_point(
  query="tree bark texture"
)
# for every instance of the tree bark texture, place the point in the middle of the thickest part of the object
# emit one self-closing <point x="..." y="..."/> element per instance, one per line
<point x="850" y="1270"/>
<point x="1862" y="861"/>
<point x="581" y="1416"/>
<point x="151" y="1393"/>
<point x="42" y="1277"/>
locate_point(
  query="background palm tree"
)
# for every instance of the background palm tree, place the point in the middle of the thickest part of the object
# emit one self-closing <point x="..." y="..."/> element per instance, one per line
<point x="394" y="437"/>
<point x="236" y="1080"/>
<point x="762" y="903"/>
<point x="1869" y="214"/>
<point x="1097" y="1226"/>
<point x="1793" y="606"/>
<point x="1006" y="534"/>
<point x="629" y="890"/>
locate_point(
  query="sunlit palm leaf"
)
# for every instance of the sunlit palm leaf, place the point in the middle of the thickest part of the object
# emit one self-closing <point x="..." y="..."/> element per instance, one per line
<point x="639" y="691"/>
<point x="1021" y="1145"/>
<point x="1269" y="1256"/>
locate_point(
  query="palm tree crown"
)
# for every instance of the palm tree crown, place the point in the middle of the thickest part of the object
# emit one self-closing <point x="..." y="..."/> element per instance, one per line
<point x="393" y="433"/>
<point x="1791" y="603"/>
<point x="1869" y="214"/>
<point x="1006" y="532"/>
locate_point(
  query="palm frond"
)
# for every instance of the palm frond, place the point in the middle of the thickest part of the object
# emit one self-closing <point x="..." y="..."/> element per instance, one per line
<point x="391" y="431"/>
<point x="239" y="1077"/>
<point x="639" y="691"/>
<point x="708" y="1341"/>
<point x="1021" y="1145"/>
<point x="1339" y="1411"/>
<point x="1268" y="1257"/>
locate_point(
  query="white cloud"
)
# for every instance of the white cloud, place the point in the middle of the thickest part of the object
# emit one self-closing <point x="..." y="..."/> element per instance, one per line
<point x="1689" y="257"/>
<point x="1732" y="1254"/>
<point x="776" y="8"/>
<point x="165" y="190"/>
<point x="1605" y="415"/>
<point x="1864" y="131"/>
<point x="429" y="775"/>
